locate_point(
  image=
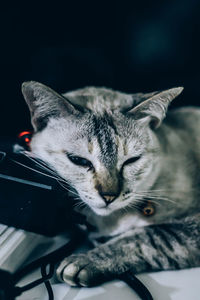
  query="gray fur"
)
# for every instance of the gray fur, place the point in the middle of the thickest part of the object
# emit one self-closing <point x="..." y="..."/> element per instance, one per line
<point x="109" y="128"/>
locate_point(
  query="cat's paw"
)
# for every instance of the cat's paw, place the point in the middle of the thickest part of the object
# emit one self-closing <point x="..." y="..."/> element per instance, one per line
<point x="81" y="270"/>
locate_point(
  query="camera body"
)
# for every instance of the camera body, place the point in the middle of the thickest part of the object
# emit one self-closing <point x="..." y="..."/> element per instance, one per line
<point x="30" y="197"/>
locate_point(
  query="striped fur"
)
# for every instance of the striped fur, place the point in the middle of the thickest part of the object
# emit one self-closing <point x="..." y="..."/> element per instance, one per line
<point x="137" y="155"/>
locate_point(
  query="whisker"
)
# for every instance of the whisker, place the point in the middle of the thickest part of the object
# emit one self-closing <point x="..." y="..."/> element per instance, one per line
<point x="141" y="196"/>
<point x="32" y="169"/>
<point x="68" y="189"/>
<point x="157" y="198"/>
<point x="143" y="200"/>
<point x="79" y="205"/>
<point x="133" y="205"/>
<point x="169" y="190"/>
<point x="42" y="165"/>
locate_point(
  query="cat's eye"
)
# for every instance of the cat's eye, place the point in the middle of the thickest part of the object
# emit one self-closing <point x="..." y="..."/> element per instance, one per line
<point x="131" y="160"/>
<point x="80" y="161"/>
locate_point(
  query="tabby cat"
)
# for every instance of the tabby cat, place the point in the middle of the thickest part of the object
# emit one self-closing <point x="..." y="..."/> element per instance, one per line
<point x="135" y="172"/>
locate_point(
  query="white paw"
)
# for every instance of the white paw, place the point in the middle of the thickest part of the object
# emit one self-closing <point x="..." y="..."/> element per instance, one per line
<point x="79" y="270"/>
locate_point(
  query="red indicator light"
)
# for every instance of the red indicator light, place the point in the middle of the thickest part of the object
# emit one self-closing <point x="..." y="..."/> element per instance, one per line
<point x="24" y="133"/>
<point x="27" y="140"/>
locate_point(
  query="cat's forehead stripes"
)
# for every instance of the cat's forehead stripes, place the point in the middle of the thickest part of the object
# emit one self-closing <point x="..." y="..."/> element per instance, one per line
<point x="105" y="132"/>
<point x="90" y="147"/>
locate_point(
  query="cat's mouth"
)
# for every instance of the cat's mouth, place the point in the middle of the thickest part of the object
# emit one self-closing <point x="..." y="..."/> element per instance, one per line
<point x="105" y="209"/>
<point x="117" y="205"/>
<point x="102" y="211"/>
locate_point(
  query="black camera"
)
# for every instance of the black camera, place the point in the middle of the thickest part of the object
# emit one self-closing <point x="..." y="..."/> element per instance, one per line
<point x="30" y="197"/>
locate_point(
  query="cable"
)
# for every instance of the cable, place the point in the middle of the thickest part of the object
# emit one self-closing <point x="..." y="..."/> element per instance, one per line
<point x="50" y="259"/>
<point x="54" y="257"/>
<point x="47" y="283"/>
<point x="136" y="285"/>
<point x="19" y="290"/>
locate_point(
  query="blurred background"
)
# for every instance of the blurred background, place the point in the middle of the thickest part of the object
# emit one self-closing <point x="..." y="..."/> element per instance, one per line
<point x="132" y="46"/>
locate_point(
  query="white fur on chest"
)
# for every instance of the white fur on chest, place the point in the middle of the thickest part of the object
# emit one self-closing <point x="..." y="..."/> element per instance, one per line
<point x="116" y="223"/>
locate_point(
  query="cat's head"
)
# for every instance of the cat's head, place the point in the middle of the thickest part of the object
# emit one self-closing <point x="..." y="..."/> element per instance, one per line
<point x="100" y="141"/>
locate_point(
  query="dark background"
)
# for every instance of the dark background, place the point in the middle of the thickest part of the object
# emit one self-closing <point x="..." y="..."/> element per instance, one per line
<point x="126" y="45"/>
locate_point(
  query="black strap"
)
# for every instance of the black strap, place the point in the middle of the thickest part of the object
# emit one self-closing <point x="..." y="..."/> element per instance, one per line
<point x="136" y="285"/>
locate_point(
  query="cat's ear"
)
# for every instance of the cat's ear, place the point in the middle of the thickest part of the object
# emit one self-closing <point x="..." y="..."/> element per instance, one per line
<point x="154" y="109"/>
<point x="44" y="103"/>
<point x="140" y="97"/>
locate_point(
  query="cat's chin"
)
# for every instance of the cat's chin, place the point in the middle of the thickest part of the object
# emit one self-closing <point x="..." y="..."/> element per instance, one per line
<point x="107" y="210"/>
<point x="102" y="211"/>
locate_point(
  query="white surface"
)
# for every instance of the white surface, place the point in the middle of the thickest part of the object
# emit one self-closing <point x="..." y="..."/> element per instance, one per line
<point x="174" y="285"/>
<point x="15" y="246"/>
<point x="168" y="285"/>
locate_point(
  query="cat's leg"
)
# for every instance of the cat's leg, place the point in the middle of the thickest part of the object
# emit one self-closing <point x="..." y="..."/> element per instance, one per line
<point x="156" y="247"/>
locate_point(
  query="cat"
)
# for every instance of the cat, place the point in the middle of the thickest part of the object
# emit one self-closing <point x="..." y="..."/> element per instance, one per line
<point x="122" y="154"/>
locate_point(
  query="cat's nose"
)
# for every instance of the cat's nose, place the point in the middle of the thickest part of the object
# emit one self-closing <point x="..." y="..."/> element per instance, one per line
<point x="108" y="197"/>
